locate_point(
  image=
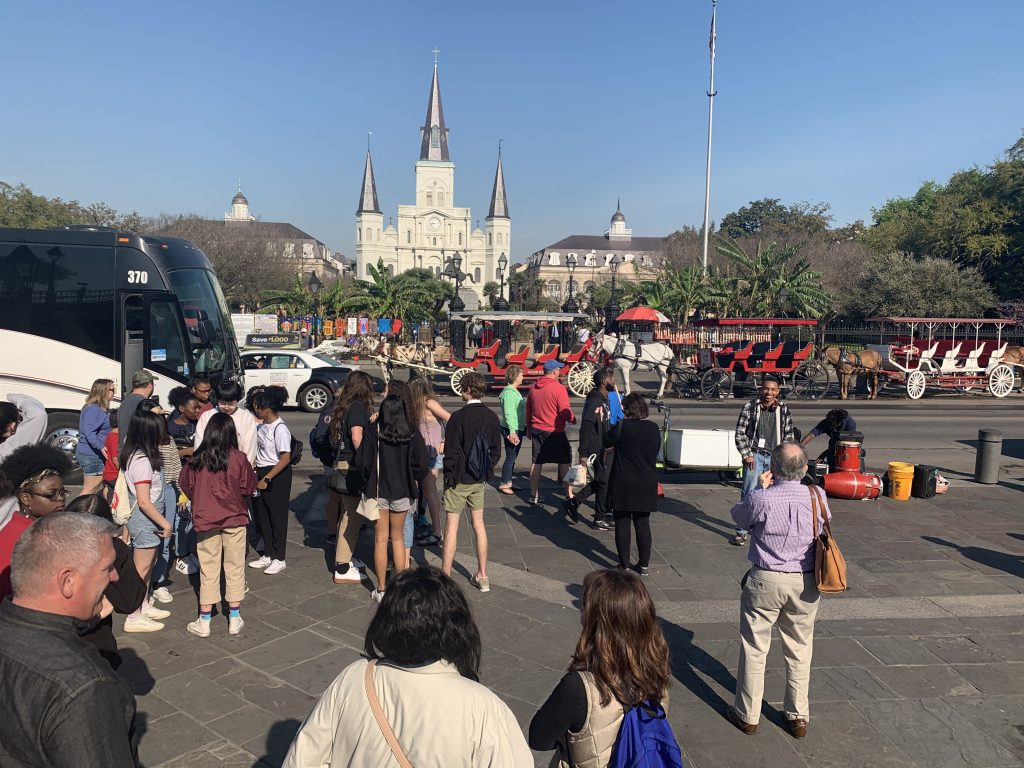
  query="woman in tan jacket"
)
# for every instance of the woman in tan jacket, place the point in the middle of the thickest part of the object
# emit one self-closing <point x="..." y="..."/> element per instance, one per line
<point x="621" y="660"/>
<point x="425" y="648"/>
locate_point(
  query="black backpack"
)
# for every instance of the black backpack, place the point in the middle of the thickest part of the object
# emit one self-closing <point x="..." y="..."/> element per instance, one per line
<point x="295" y="450"/>
<point x="478" y="460"/>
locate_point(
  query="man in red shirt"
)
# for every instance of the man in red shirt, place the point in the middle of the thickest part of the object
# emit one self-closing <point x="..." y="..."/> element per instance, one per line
<point x="547" y="412"/>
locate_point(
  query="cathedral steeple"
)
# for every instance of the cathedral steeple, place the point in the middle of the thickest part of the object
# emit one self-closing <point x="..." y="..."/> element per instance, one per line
<point x="499" y="205"/>
<point x="368" y="196"/>
<point x="434" y="136"/>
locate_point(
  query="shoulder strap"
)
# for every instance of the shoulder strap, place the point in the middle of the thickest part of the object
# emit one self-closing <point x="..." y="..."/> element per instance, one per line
<point x="382" y="721"/>
<point x="820" y="522"/>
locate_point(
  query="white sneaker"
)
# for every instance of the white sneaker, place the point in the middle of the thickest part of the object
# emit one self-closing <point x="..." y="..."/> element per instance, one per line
<point x="351" y="576"/>
<point x="199" y="628"/>
<point x="377" y="595"/>
<point x="535" y="500"/>
<point x="235" y="625"/>
<point x="141" y="624"/>
<point x="355" y="562"/>
<point x="163" y="594"/>
<point x="276" y="566"/>
<point x="262" y="562"/>
<point x="186" y="566"/>
<point x="150" y="611"/>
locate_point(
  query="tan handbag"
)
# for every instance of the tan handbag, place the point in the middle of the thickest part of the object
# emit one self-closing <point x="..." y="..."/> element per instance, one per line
<point x="829" y="563"/>
<point x="382" y="722"/>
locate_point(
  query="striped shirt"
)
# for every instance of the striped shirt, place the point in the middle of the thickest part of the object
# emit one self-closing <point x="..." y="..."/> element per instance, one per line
<point x="780" y="521"/>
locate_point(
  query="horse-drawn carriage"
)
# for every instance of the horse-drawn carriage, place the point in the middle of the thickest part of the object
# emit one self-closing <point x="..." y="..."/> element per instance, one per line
<point x="959" y="364"/>
<point x="737" y="353"/>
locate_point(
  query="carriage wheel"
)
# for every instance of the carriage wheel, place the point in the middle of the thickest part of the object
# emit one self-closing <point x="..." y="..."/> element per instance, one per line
<point x="1001" y="380"/>
<point x="581" y="378"/>
<point x="687" y="382"/>
<point x="810" y="380"/>
<point x="456" y="380"/>
<point x="915" y="385"/>
<point x="715" y="384"/>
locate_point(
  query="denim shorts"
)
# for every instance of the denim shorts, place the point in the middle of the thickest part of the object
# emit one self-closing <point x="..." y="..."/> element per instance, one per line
<point x="90" y="463"/>
<point x="143" y="531"/>
<point x="395" y="505"/>
<point x="439" y="462"/>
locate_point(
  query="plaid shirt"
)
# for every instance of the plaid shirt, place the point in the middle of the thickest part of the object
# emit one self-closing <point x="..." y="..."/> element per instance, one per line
<point x="781" y="525"/>
<point x="746" y="426"/>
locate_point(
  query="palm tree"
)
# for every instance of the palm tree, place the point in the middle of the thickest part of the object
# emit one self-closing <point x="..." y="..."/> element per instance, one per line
<point x="297" y="300"/>
<point x="770" y="283"/>
<point x="491" y="290"/>
<point x="413" y="295"/>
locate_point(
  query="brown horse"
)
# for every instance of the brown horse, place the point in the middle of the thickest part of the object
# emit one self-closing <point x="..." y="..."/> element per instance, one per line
<point x="1013" y="354"/>
<point x="847" y="364"/>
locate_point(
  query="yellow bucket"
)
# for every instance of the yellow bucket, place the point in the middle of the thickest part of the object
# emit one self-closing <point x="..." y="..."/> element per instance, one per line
<point x="901" y="478"/>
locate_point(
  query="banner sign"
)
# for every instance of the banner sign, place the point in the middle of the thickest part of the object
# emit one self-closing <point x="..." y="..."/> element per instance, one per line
<point x="271" y="339"/>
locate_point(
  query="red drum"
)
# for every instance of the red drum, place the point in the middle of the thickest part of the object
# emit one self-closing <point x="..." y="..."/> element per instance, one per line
<point x="853" y="485"/>
<point x="848" y="455"/>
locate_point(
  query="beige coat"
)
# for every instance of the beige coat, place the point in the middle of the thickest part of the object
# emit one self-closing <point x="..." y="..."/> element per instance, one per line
<point x="441" y="720"/>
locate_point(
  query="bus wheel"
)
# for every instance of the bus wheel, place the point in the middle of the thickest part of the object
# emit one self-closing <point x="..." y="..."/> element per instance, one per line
<point x="62" y="433"/>
<point x="314" y="398"/>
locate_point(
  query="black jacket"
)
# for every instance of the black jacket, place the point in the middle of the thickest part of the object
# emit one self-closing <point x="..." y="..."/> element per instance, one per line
<point x="126" y="594"/>
<point x="592" y="426"/>
<point x="633" y="479"/>
<point x="62" y="704"/>
<point x="402" y="466"/>
<point x="459" y="434"/>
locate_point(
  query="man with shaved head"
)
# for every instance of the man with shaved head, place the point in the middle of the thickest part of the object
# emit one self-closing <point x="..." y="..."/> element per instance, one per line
<point x="779" y="590"/>
<point x="63" y="706"/>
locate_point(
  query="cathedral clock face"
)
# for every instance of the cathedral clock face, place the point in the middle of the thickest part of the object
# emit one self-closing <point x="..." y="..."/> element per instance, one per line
<point x="434" y="224"/>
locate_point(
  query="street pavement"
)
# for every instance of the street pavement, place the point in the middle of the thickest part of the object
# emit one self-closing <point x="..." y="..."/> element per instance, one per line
<point x="921" y="663"/>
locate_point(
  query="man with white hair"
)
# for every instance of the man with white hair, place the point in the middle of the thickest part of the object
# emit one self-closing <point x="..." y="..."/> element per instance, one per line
<point x="779" y="590"/>
<point x="63" y="706"/>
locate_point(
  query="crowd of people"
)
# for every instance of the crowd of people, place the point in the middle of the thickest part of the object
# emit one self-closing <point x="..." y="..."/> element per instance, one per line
<point x="201" y="488"/>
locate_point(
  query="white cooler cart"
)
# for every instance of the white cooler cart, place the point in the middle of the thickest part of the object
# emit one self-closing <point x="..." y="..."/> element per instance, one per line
<point x="699" y="450"/>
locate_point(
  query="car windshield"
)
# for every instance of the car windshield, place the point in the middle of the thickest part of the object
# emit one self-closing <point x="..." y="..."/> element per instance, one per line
<point x="206" y="317"/>
<point x="326" y="359"/>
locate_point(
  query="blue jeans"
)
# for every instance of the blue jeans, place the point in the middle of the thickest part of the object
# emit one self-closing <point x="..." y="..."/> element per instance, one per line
<point x="751" y="475"/>
<point x="511" y="454"/>
<point x="184" y="536"/>
<point x="408" y="528"/>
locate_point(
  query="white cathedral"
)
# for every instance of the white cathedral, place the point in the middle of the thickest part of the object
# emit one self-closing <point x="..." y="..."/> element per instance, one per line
<point x="431" y="231"/>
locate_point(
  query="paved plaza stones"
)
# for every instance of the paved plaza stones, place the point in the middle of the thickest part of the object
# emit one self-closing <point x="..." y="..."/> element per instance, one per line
<point x="920" y="664"/>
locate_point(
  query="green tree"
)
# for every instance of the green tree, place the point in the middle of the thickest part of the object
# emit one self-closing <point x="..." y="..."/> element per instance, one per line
<point x="770" y="218"/>
<point x="414" y="295"/>
<point x="758" y="281"/>
<point x="20" y="207"/>
<point x="525" y="292"/>
<point x="491" y="290"/>
<point x="898" y="284"/>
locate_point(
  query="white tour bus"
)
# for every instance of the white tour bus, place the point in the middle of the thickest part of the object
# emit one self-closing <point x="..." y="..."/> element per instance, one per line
<point x="86" y="303"/>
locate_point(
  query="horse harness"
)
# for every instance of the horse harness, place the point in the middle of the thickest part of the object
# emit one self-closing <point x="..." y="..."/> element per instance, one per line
<point x="620" y="348"/>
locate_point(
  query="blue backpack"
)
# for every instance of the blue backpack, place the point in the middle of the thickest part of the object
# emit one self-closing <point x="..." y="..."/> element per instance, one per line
<point x="646" y="740"/>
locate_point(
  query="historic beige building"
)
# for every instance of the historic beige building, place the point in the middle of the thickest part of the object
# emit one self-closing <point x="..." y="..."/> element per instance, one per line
<point x="427" y="233"/>
<point x="640" y="258"/>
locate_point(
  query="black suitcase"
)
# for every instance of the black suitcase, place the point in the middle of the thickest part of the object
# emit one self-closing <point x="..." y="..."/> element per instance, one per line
<point x="923" y="486"/>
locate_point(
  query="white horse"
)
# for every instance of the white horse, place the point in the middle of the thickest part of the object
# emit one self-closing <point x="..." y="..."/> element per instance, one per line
<point x="629" y="356"/>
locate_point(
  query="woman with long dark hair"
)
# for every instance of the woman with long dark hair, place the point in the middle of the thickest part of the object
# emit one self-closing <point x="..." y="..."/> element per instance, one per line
<point x="93" y="428"/>
<point x="400" y="463"/>
<point x="423" y="655"/>
<point x="122" y="595"/>
<point x="430" y="417"/>
<point x="348" y="425"/>
<point x="633" y="479"/>
<point x="621" y="661"/>
<point x="141" y="463"/>
<point x="219" y="480"/>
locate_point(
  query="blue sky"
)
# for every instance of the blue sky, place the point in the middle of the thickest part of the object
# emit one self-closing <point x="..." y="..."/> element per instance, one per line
<point x="162" y="107"/>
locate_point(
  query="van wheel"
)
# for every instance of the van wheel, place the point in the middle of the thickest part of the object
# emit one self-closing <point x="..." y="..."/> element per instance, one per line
<point x="62" y="433"/>
<point x="314" y="398"/>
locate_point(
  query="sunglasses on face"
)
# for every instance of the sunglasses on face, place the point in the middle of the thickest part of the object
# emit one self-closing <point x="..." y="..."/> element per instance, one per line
<point x="57" y="495"/>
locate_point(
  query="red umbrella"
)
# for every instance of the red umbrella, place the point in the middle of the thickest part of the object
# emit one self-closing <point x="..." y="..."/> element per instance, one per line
<point x="642" y="314"/>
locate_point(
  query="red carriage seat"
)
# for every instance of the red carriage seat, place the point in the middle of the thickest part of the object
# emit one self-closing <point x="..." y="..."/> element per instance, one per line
<point x="489" y="351"/>
<point x="784" y="355"/>
<point x="735" y="350"/>
<point x="757" y="353"/>
<point x="551" y="353"/>
<point x="519" y="357"/>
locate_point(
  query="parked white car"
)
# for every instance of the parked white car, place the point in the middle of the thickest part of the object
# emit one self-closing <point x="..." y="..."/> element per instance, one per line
<point x="311" y="378"/>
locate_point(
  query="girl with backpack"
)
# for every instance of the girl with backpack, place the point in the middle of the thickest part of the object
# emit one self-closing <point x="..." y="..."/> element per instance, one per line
<point x="274" y="475"/>
<point x="219" y="480"/>
<point x="619" y="670"/>
<point x="399" y="463"/>
<point x="430" y="417"/>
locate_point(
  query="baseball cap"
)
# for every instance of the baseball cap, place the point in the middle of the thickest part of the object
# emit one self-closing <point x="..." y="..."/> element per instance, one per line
<point x="552" y="365"/>
<point x="142" y="378"/>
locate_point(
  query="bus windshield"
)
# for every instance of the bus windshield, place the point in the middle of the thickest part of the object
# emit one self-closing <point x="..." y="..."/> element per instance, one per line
<point x="206" y="318"/>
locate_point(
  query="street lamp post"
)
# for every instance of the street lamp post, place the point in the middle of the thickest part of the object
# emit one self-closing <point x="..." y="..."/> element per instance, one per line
<point x="456" y="326"/>
<point x="612" y="308"/>
<point x="314" y="288"/>
<point x="570" y="303"/>
<point x="501" y="305"/>
<point x="502" y="328"/>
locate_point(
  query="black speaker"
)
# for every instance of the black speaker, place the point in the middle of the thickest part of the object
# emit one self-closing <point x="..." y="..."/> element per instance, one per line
<point x="923" y="486"/>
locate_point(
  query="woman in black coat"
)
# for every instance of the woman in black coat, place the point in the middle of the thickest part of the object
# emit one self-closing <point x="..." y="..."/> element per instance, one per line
<point x="633" y="480"/>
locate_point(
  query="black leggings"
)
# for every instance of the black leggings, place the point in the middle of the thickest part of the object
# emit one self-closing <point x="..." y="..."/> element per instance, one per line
<point x="271" y="508"/>
<point x="642" y="523"/>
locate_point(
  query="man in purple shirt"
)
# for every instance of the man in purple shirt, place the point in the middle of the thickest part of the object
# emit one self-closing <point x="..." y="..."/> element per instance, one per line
<point x="779" y="589"/>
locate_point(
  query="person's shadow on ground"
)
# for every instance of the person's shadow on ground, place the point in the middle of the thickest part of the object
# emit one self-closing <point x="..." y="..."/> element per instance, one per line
<point x="1013" y="564"/>
<point x="694" y="515"/>
<point x="555" y="527"/>
<point x="279" y="738"/>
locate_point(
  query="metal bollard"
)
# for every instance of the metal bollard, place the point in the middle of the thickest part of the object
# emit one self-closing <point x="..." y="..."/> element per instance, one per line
<point x="990" y="451"/>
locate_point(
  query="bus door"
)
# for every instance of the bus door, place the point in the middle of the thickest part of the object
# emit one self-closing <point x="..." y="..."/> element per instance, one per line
<point x="154" y="338"/>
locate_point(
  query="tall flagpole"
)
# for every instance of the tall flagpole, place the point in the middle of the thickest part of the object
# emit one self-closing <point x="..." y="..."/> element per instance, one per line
<point x="711" y="109"/>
